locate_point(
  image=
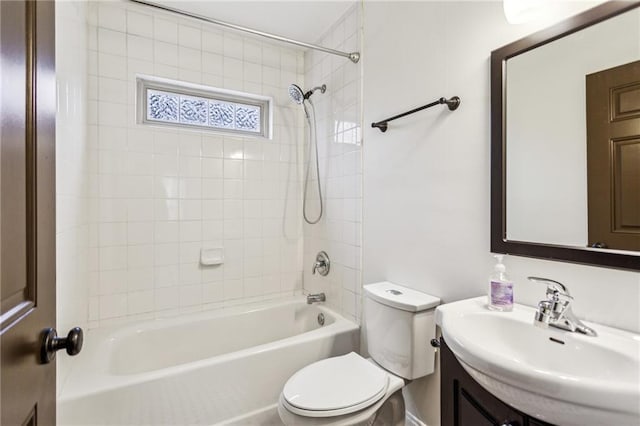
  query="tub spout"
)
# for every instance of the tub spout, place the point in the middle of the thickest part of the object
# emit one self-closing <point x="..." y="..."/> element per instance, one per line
<point x="314" y="298"/>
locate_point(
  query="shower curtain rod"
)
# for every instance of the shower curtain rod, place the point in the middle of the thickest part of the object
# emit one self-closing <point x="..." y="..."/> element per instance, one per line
<point x="353" y="56"/>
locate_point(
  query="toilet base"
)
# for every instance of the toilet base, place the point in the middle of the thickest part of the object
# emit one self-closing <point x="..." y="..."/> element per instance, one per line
<point x="392" y="411"/>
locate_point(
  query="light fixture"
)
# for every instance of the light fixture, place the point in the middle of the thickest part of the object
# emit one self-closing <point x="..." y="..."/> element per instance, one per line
<point x="521" y="11"/>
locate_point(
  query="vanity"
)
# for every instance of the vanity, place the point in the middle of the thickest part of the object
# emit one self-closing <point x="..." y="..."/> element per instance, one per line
<point x="464" y="402"/>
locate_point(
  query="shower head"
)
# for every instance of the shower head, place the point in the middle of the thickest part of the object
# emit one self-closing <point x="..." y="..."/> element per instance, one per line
<point x="298" y="96"/>
<point x="296" y="93"/>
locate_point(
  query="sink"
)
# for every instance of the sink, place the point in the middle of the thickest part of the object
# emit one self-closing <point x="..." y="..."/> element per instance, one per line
<point x="554" y="375"/>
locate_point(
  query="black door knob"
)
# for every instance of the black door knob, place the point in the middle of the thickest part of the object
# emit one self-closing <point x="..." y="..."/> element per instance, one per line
<point x="51" y="343"/>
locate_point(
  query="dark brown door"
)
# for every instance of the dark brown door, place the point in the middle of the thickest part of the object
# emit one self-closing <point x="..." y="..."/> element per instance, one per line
<point x="613" y="157"/>
<point x="27" y="210"/>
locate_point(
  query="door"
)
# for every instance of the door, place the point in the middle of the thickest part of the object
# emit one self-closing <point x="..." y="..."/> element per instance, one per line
<point x="613" y="157"/>
<point x="27" y="210"/>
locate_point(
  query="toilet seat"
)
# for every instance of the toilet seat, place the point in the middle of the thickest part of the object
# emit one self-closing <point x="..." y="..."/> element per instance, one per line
<point x="335" y="386"/>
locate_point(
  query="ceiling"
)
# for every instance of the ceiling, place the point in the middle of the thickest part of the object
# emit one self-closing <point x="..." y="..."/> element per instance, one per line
<point x="303" y="20"/>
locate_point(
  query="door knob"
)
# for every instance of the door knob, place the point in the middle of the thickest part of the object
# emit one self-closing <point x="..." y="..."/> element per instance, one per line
<point x="51" y="343"/>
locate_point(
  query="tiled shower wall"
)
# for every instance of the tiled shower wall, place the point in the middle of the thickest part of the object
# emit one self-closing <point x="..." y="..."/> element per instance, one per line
<point x="159" y="195"/>
<point x="72" y="172"/>
<point x="339" y="123"/>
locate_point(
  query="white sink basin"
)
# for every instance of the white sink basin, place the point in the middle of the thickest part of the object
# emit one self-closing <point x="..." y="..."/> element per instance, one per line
<point x="554" y="375"/>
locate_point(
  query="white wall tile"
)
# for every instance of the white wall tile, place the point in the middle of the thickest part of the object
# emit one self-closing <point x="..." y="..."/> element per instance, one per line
<point x="190" y="188"/>
<point x="233" y="68"/>
<point x="139" y="24"/>
<point x="189" y="37"/>
<point x="165" y="30"/>
<point x="112" y="306"/>
<point x="340" y="172"/>
<point x="189" y="59"/>
<point x="139" y="209"/>
<point x="140" y="279"/>
<point x="113" y="258"/>
<point x="190" y="167"/>
<point x="113" y="66"/>
<point x="140" y="233"/>
<point x="165" y="53"/>
<point x="212" y="40"/>
<point x="112" y="234"/>
<point x="112" y="90"/>
<point x="112" y="16"/>
<point x="139" y="302"/>
<point x="166" y="232"/>
<point x="233" y="45"/>
<point x="160" y="194"/>
<point x="167" y="298"/>
<point x="140" y="48"/>
<point x="212" y="63"/>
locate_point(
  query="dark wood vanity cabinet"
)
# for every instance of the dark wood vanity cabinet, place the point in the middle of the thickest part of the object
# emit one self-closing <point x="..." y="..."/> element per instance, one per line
<point x="463" y="402"/>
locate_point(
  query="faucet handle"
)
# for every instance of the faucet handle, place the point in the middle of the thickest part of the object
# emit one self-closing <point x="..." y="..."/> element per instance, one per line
<point x="322" y="264"/>
<point x="554" y="288"/>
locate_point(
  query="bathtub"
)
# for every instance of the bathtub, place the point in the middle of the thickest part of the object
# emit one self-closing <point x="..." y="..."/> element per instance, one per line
<point x="221" y="367"/>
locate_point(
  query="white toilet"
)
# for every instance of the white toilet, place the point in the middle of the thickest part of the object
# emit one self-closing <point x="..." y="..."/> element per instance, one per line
<point x="351" y="390"/>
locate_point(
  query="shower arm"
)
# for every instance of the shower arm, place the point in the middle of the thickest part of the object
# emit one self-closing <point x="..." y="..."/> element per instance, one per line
<point x="322" y="89"/>
<point x="452" y="104"/>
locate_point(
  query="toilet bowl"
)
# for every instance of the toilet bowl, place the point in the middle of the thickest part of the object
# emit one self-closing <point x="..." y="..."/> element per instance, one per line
<point x="352" y="390"/>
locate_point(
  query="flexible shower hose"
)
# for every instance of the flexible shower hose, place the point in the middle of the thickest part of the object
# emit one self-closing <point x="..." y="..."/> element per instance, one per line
<point x="313" y="138"/>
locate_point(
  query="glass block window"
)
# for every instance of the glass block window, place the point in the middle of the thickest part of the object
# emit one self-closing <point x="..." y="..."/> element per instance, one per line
<point x="174" y="103"/>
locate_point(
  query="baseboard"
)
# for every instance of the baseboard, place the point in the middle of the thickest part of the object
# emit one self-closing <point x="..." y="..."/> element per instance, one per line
<point x="411" y="420"/>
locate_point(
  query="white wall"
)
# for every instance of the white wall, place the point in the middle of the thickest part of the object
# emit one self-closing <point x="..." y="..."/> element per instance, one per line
<point x="72" y="171"/>
<point x="426" y="181"/>
<point x="159" y="194"/>
<point x="338" y="114"/>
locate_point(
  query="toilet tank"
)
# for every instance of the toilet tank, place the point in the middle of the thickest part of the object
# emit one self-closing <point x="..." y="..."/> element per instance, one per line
<point x="399" y="324"/>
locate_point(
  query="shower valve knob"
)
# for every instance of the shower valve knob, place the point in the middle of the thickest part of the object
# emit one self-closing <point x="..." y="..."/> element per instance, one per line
<point x="322" y="264"/>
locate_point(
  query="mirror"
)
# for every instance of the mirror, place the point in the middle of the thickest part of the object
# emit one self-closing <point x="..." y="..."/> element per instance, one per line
<point x="552" y="96"/>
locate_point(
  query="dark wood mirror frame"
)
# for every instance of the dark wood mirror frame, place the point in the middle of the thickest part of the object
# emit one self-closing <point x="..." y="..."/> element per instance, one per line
<point x="499" y="242"/>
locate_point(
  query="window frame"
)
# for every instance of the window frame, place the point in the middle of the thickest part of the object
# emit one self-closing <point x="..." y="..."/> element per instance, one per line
<point x="181" y="88"/>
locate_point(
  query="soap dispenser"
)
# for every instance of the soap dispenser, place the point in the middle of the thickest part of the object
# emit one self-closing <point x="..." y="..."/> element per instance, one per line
<point x="500" y="296"/>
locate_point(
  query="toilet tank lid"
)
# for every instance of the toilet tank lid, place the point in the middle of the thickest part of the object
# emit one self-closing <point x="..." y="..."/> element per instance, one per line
<point x="400" y="297"/>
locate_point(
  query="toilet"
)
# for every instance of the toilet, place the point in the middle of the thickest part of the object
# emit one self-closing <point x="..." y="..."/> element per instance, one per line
<point x="346" y="390"/>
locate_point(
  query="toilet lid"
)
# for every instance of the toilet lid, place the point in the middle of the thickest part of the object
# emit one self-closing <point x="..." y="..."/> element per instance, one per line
<point x="335" y="386"/>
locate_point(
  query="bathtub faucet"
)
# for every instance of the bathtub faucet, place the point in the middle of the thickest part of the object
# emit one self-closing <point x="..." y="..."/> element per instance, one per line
<point x="313" y="298"/>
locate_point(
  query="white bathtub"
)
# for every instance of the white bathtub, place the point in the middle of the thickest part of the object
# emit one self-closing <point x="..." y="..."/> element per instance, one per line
<point x="220" y="367"/>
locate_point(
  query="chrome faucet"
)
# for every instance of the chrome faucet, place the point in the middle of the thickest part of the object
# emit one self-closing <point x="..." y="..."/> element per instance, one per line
<point x="555" y="310"/>
<point x="314" y="298"/>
